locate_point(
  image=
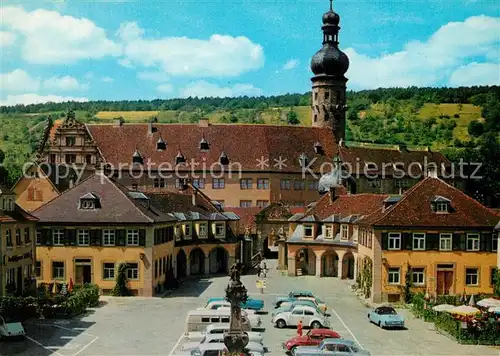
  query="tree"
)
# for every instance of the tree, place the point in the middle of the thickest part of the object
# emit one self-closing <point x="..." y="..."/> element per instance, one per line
<point x="475" y="128"/>
<point x="121" y="289"/>
<point x="292" y="117"/>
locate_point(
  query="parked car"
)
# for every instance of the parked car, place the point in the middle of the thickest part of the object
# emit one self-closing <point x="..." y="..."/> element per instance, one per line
<point x="214" y="305"/>
<point x="310" y="318"/>
<point x="386" y="317"/>
<point x="217" y="339"/>
<point x="312" y="338"/>
<point x="211" y="349"/>
<point x="253" y="304"/>
<point x="290" y="305"/>
<point x="255" y="320"/>
<point x="332" y="347"/>
<point x="316" y="301"/>
<point x="220" y="329"/>
<point x="11" y="330"/>
<point x="292" y="296"/>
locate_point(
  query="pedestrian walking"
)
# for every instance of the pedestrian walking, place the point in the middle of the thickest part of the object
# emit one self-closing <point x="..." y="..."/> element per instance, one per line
<point x="299" y="328"/>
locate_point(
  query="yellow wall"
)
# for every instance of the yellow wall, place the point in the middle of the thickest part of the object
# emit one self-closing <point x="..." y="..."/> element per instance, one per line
<point x="429" y="260"/>
<point x="48" y="190"/>
<point x="160" y="251"/>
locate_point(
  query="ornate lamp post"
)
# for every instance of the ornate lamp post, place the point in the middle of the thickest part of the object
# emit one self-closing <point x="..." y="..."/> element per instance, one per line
<point x="236" y="293"/>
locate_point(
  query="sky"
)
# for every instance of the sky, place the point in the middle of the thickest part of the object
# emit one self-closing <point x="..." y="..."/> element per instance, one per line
<point x="146" y="49"/>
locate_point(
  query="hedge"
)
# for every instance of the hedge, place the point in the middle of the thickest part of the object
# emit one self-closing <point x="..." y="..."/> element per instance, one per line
<point x="58" y="306"/>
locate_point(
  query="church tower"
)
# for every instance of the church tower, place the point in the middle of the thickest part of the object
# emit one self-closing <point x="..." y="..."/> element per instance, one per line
<point x="329" y="66"/>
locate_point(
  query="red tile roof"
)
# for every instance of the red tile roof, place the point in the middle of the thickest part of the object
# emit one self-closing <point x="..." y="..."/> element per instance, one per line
<point x="245" y="144"/>
<point x="16" y="216"/>
<point x="53" y="130"/>
<point x="247" y="218"/>
<point x="345" y="205"/>
<point x="414" y="208"/>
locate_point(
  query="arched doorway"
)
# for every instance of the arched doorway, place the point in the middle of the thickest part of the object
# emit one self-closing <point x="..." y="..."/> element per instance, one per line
<point x="330" y="264"/>
<point x="181" y="262"/>
<point x="305" y="261"/>
<point x="218" y="260"/>
<point x="197" y="261"/>
<point x="348" y="266"/>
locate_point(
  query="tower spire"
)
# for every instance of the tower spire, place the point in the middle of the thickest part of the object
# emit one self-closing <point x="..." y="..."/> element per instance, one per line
<point x="331" y="5"/>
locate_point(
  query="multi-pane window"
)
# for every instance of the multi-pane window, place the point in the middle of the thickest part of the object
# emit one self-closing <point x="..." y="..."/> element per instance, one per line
<point x="312" y="185"/>
<point x="70" y="158"/>
<point x="285" y="184"/>
<point x="108" y="237"/>
<point x="203" y="229"/>
<point x="133" y="271"/>
<point x="108" y="270"/>
<point x="38" y="236"/>
<point x="57" y="237"/>
<point x="393" y="275"/>
<point x="344" y="232"/>
<point x="492" y="276"/>
<point x="262" y="203"/>
<point x="219" y="229"/>
<point x="70" y="141"/>
<point x="27" y="237"/>
<point x="471" y="276"/>
<point x="299" y="185"/>
<point x="262" y="183"/>
<point x="246" y="183"/>
<point x="394" y="241"/>
<point x="245" y="203"/>
<point x="445" y="242"/>
<point x="160" y="183"/>
<point x="418" y="276"/>
<point x="328" y="231"/>
<point x="418" y="241"/>
<point x="187" y="229"/>
<point x="199" y="183"/>
<point x="83" y="237"/>
<point x="472" y="242"/>
<point x="8" y="237"/>
<point x="38" y="269"/>
<point x="133" y="237"/>
<point x="218" y="183"/>
<point x="58" y="270"/>
<point x="375" y="183"/>
<point x="442" y="207"/>
<point x="18" y="237"/>
<point x="11" y="275"/>
<point x="308" y="231"/>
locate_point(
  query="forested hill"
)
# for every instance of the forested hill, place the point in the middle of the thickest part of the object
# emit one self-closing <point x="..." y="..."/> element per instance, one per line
<point x="461" y="95"/>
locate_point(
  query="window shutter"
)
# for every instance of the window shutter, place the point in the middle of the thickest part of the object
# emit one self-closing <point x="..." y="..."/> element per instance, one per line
<point x="463" y="242"/>
<point x="432" y="241"/>
<point x="95" y="237"/>
<point x="455" y="242"/>
<point x="385" y="241"/>
<point x="142" y="237"/>
<point x="71" y="235"/>
<point x="120" y="237"/>
<point x="47" y="237"/>
<point x="483" y="242"/>
<point x="406" y="241"/>
<point x="67" y="238"/>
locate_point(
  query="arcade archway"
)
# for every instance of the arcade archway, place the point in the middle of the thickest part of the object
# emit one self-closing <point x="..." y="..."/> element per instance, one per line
<point x="348" y="266"/>
<point x="181" y="261"/>
<point x="219" y="260"/>
<point x="329" y="264"/>
<point x="196" y="262"/>
<point x="305" y="262"/>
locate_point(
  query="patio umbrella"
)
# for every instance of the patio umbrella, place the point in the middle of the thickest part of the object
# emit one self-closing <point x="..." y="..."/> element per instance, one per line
<point x="70" y="287"/>
<point x="471" y="301"/>
<point x="443" y="307"/>
<point x="489" y="302"/>
<point x="464" y="310"/>
<point x="495" y="310"/>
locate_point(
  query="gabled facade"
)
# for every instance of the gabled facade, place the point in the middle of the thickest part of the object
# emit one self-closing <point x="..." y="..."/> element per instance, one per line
<point x="435" y="235"/>
<point x="17" y="245"/>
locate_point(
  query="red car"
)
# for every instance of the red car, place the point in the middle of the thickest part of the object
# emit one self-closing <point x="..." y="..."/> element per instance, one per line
<point x="312" y="338"/>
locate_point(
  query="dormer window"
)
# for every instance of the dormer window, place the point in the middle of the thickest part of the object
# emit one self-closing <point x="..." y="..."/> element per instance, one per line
<point x="442" y="207"/>
<point x="303" y="160"/>
<point x="308" y="231"/>
<point x="89" y="201"/>
<point x="224" y="159"/>
<point x="161" y="145"/>
<point x="204" y="146"/>
<point x="318" y="148"/>
<point x="137" y="157"/>
<point x="180" y="158"/>
<point x="441" y="204"/>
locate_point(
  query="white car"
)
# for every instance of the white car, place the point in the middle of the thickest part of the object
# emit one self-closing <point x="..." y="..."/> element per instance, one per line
<point x="217" y="339"/>
<point x="212" y="349"/>
<point x="310" y="318"/>
<point x="254" y="319"/>
<point x="11" y="330"/>
<point x="222" y="304"/>
<point x="219" y="329"/>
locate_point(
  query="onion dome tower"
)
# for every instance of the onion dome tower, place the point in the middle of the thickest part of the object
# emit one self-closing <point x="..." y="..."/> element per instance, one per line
<point x="329" y="66"/>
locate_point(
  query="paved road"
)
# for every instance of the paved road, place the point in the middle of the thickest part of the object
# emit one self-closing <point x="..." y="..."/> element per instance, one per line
<point x="155" y="326"/>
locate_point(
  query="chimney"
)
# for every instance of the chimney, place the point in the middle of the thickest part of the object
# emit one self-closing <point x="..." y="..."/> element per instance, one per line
<point x="203" y="123"/>
<point x="337" y="191"/>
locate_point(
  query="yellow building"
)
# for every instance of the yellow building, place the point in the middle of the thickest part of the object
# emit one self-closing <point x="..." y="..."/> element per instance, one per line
<point x="17" y="245"/>
<point x="434" y="234"/>
<point x="88" y="231"/>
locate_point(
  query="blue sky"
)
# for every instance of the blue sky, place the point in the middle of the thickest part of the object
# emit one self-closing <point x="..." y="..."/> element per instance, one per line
<point x="146" y="49"/>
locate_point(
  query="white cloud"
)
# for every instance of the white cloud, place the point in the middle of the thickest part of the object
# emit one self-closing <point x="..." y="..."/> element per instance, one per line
<point x="476" y="74"/>
<point x="130" y="31"/>
<point x="107" y="79"/>
<point x="65" y="83"/>
<point x="430" y="62"/>
<point x="220" y="55"/>
<point x="165" y="88"/>
<point x="127" y="63"/>
<point x="291" y="64"/>
<point x="18" y="81"/>
<point x="153" y="76"/>
<point x="26" y="99"/>
<point x="205" y="89"/>
<point x="7" y="39"/>
<point x="51" y="38"/>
